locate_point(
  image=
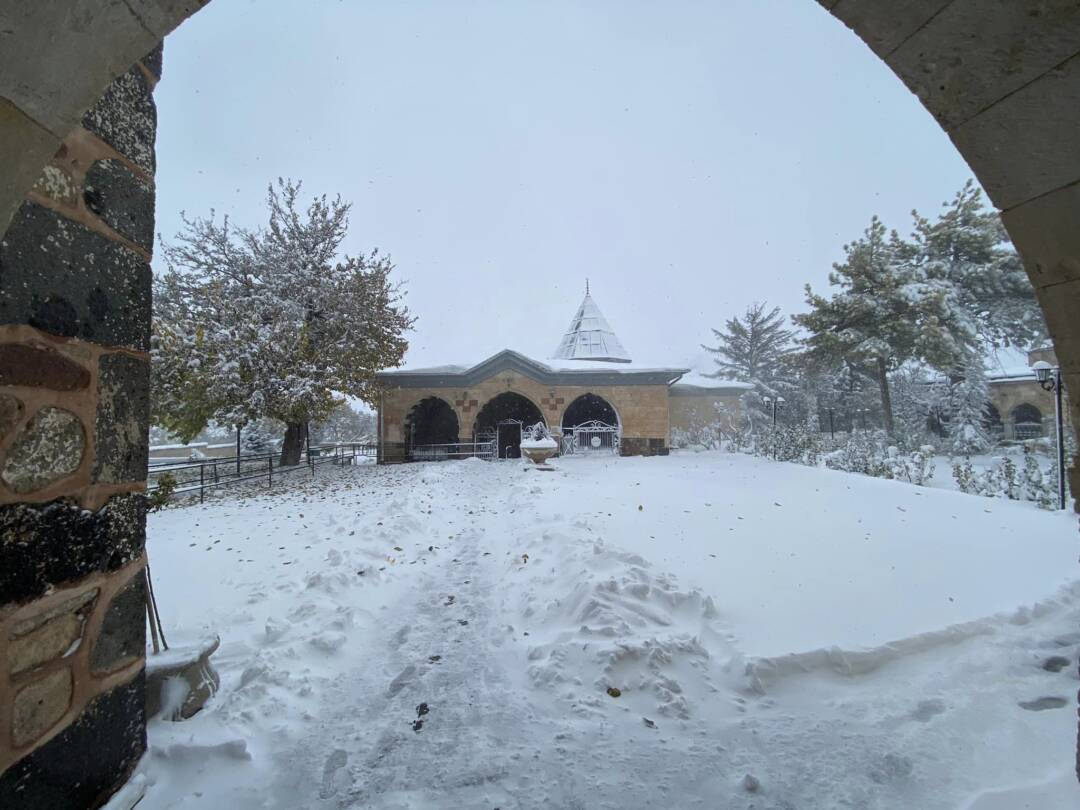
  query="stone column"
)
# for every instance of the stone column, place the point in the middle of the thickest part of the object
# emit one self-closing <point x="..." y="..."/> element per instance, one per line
<point x="74" y="393"/>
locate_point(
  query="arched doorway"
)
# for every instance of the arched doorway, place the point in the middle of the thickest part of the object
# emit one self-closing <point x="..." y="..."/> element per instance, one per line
<point x="590" y="424"/>
<point x="992" y="422"/>
<point x="1027" y="422"/>
<point x="430" y="427"/>
<point x="502" y="419"/>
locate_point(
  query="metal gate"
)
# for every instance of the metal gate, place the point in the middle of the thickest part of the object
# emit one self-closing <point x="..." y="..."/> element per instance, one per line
<point x="591" y="437"/>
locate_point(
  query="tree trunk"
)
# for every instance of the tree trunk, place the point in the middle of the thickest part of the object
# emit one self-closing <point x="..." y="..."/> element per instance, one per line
<point x="292" y="444"/>
<point x="886" y="399"/>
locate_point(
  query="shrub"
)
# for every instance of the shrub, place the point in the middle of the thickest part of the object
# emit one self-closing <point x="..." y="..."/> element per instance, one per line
<point x="159" y="498"/>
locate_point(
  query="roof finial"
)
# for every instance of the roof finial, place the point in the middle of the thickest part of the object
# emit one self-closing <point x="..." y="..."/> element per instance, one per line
<point x="586" y="286"/>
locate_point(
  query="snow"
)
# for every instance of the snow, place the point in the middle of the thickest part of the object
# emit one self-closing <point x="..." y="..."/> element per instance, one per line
<point x="546" y="443"/>
<point x="846" y="641"/>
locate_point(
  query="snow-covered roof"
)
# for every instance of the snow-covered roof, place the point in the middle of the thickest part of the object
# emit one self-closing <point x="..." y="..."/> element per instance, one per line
<point x="590" y="337"/>
<point x="596" y="372"/>
<point x="699" y="380"/>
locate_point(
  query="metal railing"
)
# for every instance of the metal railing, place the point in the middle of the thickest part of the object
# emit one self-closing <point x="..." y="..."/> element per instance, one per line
<point x="455" y="450"/>
<point x="200" y="475"/>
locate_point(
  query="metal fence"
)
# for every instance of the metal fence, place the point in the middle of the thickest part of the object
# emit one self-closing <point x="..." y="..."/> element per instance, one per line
<point x="456" y="450"/>
<point x="199" y="475"/>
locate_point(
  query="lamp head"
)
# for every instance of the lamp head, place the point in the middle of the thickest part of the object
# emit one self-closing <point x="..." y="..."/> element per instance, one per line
<point x="1042" y="370"/>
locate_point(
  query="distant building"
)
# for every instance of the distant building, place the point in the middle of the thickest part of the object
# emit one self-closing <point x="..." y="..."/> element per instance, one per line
<point x="590" y="395"/>
<point x="1019" y="407"/>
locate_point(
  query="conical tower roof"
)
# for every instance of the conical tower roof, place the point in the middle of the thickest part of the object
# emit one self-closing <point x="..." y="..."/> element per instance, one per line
<point x="590" y="337"/>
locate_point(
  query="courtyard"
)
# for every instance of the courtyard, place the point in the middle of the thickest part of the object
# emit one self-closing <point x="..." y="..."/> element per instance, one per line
<point x="698" y="630"/>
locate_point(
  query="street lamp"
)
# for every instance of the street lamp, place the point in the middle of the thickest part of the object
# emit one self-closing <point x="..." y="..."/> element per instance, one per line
<point x="1049" y="378"/>
<point x="775" y="403"/>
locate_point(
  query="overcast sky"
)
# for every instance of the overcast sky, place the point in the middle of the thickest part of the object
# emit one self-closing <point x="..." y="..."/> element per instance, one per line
<point x="687" y="157"/>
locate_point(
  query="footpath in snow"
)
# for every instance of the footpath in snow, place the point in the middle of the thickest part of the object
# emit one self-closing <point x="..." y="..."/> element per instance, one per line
<point x="454" y="635"/>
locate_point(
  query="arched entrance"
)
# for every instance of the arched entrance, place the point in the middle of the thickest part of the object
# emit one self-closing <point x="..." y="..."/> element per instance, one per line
<point x="1026" y="422"/>
<point x="502" y="419"/>
<point x="590" y="425"/>
<point x="430" y="427"/>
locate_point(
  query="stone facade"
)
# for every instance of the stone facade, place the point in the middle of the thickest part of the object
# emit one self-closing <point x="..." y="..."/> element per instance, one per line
<point x="642" y="409"/>
<point x="646" y="404"/>
<point x="74" y="377"/>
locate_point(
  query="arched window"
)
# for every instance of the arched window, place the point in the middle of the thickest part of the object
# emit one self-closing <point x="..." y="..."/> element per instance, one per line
<point x="589" y="408"/>
<point x="1027" y="422"/>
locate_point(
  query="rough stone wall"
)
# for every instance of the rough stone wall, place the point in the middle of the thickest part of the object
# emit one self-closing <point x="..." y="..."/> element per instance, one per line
<point x="642" y="409"/>
<point x="698" y="410"/>
<point x="74" y="386"/>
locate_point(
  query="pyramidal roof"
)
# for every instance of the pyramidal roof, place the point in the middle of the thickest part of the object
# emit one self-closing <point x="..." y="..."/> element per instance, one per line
<point x="590" y="337"/>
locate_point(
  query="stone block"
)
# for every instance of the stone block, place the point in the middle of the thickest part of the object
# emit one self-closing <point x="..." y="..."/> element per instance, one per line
<point x="20" y="135"/>
<point x="45" y="545"/>
<point x="975" y="52"/>
<point x="122" y="637"/>
<point x="56" y="183"/>
<point x="1015" y="147"/>
<point x="67" y="280"/>
<point x="39" y="705"/>
<point x="123" y="201"/>
<point x="1046" y="231"/>
<point x="87" y="45"/>
<point x="49" y="447"/>
<point x="37" y="367"/>
<point x="85" y="762"/>
<point x="49" y="641"/>
<point x="125" y="117"/>
<point x="152" y="61"/>
<point x="11" y="409"/>
<point x="122" y="421"/>
<point x="885" y="25"/>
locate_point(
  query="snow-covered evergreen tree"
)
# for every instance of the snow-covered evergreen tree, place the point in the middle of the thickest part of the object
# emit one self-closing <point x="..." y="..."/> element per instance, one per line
<point x="887" y="311"/>
<point x="271" y="322"/>
<point x="967" y="419"/>
<point x="752" y="348"/>
<point x="259" y="436"/>
<point x="967" y="247"/>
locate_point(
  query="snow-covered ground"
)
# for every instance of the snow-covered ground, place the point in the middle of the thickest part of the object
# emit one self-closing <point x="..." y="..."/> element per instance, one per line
<point x="445" y="635"/>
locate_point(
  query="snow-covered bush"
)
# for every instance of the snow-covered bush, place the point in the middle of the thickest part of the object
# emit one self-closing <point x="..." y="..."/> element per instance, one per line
<point x="1004" y="479"/>
<point x="916" y="467"/>
<point x="870" y="454"/>
<point x="794" y="443"/>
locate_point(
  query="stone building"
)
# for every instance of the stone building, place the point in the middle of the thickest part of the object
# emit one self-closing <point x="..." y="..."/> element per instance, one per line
<point x="1019" y="407"/>
<point x="590" y="395"/>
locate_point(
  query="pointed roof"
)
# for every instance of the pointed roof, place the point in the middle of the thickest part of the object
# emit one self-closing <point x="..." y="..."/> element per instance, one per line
<point x="590" y="337"/>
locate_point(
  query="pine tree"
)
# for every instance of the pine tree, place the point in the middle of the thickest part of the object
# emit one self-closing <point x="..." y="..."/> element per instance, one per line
<point x="750" y="348"/>
<point x="967" y="247"/>
<point x="887" y="312"/>
<point x="271" y="322"/>
<point x="967" y="420"/>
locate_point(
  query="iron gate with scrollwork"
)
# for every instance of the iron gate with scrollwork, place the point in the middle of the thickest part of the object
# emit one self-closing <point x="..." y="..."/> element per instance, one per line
<point x="591" y="437"/>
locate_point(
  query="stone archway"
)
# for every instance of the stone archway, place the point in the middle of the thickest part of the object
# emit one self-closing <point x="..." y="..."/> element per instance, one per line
<point x="75" y="97"/>
<point x="497" y="417"/>
<point x="430" y="423"/>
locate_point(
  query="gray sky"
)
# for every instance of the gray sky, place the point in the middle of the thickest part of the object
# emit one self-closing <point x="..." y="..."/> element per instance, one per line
<point x="687" y="157"/>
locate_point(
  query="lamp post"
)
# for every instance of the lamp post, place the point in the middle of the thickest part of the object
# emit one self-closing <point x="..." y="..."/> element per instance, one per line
<point x="776" y="403"/>
<point x="1049" y="378"/>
